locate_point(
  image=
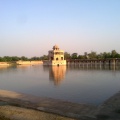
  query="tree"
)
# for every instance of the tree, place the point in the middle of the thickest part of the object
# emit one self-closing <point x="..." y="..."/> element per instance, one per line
<point x="74" y="56"/>
<point x="86" y="55"/>
<point x="15" y="58"/>
<point x="92" y="55"/>
<point x="106" y="55"/>
<point x="44" y="57"/>
<point x="67" y="55"/>
<point x="7" y="59"/>
<point x="81" y="57"/>
<point x="114" y="54"/>
<point x="24" y="58"/>
<point x="1" y="59"/>
<point x="35" y="58"/>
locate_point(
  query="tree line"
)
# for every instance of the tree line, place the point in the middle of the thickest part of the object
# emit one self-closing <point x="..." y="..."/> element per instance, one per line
<point x="91" y="55"/>
<point x="23" y="58"/>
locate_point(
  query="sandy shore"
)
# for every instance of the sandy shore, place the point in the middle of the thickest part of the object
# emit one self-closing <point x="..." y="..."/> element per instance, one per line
<point x="8" y="112"/>
<point x="59" y="107"/>
<point x="18" y="106"/>
<point x="7" y="64"/>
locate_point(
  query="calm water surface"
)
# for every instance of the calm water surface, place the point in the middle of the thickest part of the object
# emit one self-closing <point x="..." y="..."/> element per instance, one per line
<point x="91" y="85"/>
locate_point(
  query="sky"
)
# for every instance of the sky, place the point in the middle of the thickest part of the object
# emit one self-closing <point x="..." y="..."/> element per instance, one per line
<point x="32" y="27"/>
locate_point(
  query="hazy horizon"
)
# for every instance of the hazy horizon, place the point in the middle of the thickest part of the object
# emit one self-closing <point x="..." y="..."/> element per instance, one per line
<point x="32" y="27"/>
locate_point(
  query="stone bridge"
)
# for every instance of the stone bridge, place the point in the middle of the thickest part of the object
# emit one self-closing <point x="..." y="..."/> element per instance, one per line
<point x="110" y="61"/>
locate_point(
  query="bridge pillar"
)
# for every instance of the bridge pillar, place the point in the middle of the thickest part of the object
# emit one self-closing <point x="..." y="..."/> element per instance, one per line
<point x="114" y="62"/>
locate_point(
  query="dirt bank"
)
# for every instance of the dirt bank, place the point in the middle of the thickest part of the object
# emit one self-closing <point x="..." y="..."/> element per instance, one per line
<point x="18" y="106"/>
<point x="8" y="112"/>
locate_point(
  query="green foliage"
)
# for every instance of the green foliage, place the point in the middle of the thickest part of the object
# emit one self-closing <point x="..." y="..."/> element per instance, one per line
<point x="9" y="59"/>
<point x="81" y="57"/>
<point x="91" y="55"/>
<point x="35" y="58"/>
<point x="15" y="58"/>
<point x="67" y="55"/>
<point x="44" y="57"/>
<point x="74" y="56"/>
<point x="24" y="58"/>
<point x="94" y="55"/>
<point x="114" y="54"/>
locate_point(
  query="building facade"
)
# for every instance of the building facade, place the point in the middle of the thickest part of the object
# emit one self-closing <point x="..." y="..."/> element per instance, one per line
<point x="56" y="57"/>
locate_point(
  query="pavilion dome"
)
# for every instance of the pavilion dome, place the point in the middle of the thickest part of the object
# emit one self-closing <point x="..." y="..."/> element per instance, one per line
<point x="55" y="47"/>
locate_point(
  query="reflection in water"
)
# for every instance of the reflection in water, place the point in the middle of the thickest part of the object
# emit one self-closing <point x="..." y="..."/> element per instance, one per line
<point x="91" y="84"/>
<point x="94" y="67"/>
<point x="14" y="68"/>
<point x="57" y="73"/>
<point x="7" y="68"/>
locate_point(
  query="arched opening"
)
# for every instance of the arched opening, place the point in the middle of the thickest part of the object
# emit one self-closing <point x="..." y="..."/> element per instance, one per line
<point x="51" y="58"/>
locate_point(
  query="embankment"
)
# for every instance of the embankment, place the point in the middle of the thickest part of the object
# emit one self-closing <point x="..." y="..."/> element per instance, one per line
<point x="59" y="107"/>
<point x="2" y="64"/>
<point x="10" y="102"/>
<point x="29" y="62"/>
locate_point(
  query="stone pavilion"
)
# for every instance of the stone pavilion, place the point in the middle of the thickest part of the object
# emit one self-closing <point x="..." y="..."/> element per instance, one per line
<point x="56" y="57"/>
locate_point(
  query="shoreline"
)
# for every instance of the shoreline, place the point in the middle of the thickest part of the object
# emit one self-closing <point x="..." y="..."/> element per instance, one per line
<point x="7" y="64"/>
<point x="109" y="109"/>
<point x="49" y="105"/>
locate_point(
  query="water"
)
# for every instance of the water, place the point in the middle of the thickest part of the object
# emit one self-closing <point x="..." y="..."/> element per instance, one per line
<point x="91" y="85"/>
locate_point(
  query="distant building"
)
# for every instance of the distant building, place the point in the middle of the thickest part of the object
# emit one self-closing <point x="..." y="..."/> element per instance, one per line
<point x="56" y="57"/>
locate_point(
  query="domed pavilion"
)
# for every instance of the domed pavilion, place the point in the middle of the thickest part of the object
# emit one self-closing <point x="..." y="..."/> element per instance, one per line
<point x="56" y="57"/>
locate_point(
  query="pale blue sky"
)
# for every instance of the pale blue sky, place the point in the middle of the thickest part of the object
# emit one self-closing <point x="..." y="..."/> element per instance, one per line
<point x="31" y="27"/>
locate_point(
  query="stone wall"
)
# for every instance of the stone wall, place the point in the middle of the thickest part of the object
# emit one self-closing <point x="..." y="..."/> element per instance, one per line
<point x="54" y="62"/>
<point x="29" y="62"/>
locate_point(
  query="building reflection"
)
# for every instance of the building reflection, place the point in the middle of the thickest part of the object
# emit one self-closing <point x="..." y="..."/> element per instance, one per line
<point x="57" y="74"/>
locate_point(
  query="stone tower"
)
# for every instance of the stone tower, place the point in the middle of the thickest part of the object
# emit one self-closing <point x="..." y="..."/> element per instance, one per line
<point x="56" y="57"/>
